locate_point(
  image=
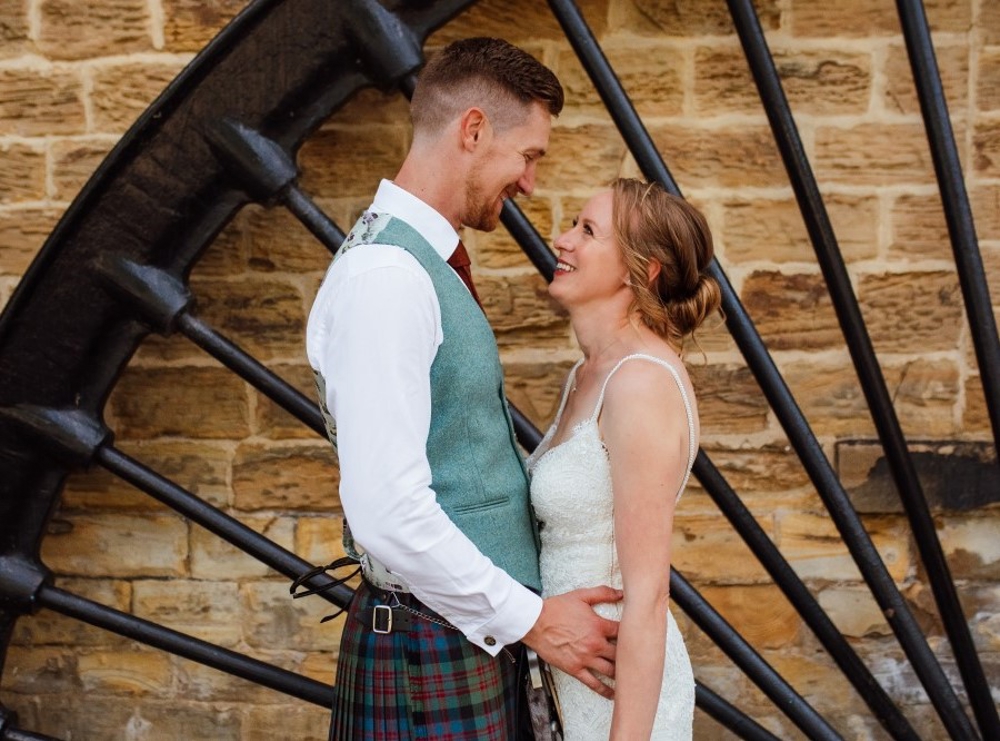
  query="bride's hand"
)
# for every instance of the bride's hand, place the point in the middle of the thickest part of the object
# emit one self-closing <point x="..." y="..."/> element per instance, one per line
<point x="571" y="636"/>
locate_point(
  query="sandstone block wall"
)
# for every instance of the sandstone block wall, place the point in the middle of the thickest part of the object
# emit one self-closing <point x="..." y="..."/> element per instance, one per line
<point x="73" y="76"/>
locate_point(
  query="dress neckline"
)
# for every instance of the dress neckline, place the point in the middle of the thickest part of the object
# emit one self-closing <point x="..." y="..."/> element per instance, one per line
<point x="592" y="419"/>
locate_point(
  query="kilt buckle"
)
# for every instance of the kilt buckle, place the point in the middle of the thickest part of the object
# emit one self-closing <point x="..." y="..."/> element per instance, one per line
<point x="381" y="619"/>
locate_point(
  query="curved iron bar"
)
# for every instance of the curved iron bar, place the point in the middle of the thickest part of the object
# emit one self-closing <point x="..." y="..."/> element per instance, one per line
<point x="758" y="359"/>
<point x="189" y="647"/>
<point x="860" y="346"/>
<point x="958" y="216"/>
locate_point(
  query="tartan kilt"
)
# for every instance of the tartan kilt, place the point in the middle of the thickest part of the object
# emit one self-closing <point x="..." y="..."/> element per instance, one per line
<point x="426" y="683"/>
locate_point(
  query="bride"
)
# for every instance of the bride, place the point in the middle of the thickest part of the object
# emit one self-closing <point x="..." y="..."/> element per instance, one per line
<point x="608" y="473"/>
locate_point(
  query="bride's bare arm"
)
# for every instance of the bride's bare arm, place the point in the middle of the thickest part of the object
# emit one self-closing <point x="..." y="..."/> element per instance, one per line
<point x="645" y="430"/>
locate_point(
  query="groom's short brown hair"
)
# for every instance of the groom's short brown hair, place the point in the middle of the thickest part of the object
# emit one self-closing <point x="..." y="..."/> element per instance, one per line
<point x="492" y="74"/>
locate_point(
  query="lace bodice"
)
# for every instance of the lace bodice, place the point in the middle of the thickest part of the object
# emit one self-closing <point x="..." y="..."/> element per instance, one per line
<point x="573" y="500"/>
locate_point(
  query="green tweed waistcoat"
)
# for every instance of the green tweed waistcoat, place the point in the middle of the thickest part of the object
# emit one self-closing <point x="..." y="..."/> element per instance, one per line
<point x="477" y="470"/>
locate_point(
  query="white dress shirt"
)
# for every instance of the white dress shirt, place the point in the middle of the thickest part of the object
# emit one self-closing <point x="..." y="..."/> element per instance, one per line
<point x="373" y="333"/>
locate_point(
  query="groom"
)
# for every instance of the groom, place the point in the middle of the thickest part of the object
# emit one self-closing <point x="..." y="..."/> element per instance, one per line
<point x="432" y="484"/>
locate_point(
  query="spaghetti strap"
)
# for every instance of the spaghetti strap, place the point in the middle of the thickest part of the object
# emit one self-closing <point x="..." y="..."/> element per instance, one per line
<point x="570" y="381"/>
<point x="692" y="449"/>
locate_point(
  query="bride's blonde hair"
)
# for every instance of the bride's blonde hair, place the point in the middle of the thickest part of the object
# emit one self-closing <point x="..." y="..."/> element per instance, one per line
<point x="652" y="225"/>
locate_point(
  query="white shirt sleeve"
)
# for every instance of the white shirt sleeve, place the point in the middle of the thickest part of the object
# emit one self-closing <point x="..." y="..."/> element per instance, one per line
<point x="383" y="331"/>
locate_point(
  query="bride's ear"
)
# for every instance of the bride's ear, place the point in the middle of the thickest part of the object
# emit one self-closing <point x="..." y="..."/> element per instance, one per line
<point x="653" y="269"/>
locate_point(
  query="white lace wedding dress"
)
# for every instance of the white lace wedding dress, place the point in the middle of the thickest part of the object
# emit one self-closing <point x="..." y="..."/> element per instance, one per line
<point x="572" y="497"/>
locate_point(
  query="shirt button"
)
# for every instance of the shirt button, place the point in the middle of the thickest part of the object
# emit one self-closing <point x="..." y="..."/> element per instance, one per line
<point x="490" y="641"/>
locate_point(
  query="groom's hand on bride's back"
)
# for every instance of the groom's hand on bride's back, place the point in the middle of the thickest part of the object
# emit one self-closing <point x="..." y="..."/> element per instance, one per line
<point x="571" y="636"/>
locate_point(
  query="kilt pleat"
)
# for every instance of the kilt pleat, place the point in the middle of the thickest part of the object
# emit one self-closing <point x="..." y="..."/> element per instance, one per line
<point x="427" y="683"/>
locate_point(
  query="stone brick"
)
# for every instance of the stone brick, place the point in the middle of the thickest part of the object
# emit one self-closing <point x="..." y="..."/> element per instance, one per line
<point x="190" y="24"/>
<point x="707" y="549"/>
<point x="265" y="316"/>
<point x="296" y="476"/>
<point x="985" y="202"/>
<point x="278" y="242"/>
<point x="792" y="311"/>
<point x="301" y="721"/>
<point x="900" y="93"/>
<point x="121" y="92"/>
<point x="498" y="249"/>
<point x="761" y="614"/>
<point x="22" y="234"/>
<point x="873" y="154"/>
<point x="652" y="80"/>
<point x="689" y="17"/>
<point x="272" y="419"/>
<point x="217" y="559"/>
<point x="319" y="539"/>
<point x="202" y="468"/>
<point x="986" y="148"/>
<point x="919" y="231"/>
<point x="854" y="611"/>
<point x="829" y="396"/>
<point x="912" y="312"/>
<point x="521" y="311"/>
<point x="588" y="154"/>
<point x="74" y="30"/>
<point x="861" y="18"/>
<point x="824" y="82"/>
<point x="977" y="604"/>
<point x="370" y="105"/>
<point x="22" y="173"/>
<point x="131" y="673"/>
<point x="40" y="103"/>
<point x="42" y="670"/>
<point x="976" y="416"/>
<point x="815" y="549"/>
<point x="925" y="395"/>
<point x="971" y="546"/>
<point x="199" y="402"/>
<point x="989" y="23"/>
<point x="770" y="468"/>
<point x="206" y="610"/>
<point x="73" y="162"/>
<point x="744" y="156"/>
<point x="51" y="628"/>
<point x="13" y="28"/>
<point x="351" y="160"/>
<point x="535" y="388"/>
<point x="771" y="229"/>
<point x="728" y="399"/>
<point x="273" y="620"/>
<point x="119" y="545"/>
<point x="524" y="24"/>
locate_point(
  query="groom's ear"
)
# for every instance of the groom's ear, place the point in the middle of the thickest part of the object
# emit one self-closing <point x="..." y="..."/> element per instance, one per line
<point x="473" y="128"/>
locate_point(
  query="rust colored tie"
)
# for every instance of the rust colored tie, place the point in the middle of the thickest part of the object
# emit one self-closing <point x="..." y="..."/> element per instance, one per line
<point x="462" y="265"/>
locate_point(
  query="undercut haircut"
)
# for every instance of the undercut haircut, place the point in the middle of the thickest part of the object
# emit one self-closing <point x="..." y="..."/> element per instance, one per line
<point x="488" y="73"/>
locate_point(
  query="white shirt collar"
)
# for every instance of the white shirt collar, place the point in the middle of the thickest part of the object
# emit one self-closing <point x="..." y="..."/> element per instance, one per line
<point x="431" y="225"/>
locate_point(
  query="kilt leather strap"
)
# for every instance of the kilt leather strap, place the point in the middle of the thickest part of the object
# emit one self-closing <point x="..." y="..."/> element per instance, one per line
<point x="383" y="619"/>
